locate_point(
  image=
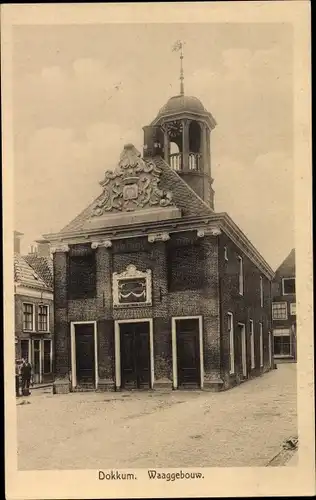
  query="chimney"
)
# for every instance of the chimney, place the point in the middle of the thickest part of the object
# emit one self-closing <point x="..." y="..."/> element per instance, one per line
<point x="43" y="248"/>
<point x="17" y="241"/>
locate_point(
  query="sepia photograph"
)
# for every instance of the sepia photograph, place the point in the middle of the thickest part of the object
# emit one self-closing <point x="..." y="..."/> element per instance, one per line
<point x="155" y="270"/>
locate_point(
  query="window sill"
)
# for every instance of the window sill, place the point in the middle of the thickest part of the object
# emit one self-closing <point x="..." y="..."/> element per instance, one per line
<point x="28" y="331"/>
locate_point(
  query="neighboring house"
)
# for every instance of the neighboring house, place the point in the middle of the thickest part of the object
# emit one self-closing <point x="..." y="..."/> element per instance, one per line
<point x="284" y="309"/>
<point x="34" y="321"/>
<point x="152" y="287"/>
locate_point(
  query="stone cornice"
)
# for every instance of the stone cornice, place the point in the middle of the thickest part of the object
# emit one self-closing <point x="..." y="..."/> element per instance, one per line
<point x="103" y="243"/>
<point x="216" y="220"/>
<point x="60" y="248"/>
<point x="208" y="231"/>
<point x="204" y="117"/>
<point x="152" y="237"/>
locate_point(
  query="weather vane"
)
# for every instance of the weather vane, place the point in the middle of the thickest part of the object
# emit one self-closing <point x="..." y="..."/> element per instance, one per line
<point x="178" y="47"/>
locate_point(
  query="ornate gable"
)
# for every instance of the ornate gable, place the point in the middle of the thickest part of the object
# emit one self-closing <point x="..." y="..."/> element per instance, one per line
<point x="133" y="185"/>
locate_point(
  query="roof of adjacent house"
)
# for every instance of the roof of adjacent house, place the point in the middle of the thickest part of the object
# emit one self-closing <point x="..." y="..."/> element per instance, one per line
<point x="287" y="267"/>
<point x="26" y="276"/>
<point x="43" y="266"/>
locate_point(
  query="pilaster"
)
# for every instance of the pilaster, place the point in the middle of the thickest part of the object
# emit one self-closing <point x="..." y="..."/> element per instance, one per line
<point x="61" y="325"/>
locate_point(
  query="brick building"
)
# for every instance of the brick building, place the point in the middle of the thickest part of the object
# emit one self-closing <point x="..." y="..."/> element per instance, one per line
<point x="34" y="318"/>
<point x="152" y="287"/>
<point x="284" y="309"/>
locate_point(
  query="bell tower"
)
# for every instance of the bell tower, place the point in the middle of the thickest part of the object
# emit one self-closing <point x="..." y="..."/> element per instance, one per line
<point x="181" y="134"/>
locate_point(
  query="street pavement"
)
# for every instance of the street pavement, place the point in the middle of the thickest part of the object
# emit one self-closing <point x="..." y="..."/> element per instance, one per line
<point x="244" y="426"/>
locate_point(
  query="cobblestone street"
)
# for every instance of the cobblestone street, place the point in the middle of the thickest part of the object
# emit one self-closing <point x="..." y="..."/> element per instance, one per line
<point x="241" y="427"/>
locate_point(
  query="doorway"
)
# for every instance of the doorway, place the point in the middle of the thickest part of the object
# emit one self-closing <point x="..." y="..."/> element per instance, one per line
<point x="243" y="346"/>
<point x="135" y="355"/>
<point x="188" y="352"/>
<point x="84" y="354"/>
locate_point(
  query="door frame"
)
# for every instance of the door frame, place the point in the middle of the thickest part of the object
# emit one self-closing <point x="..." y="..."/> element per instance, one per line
<point x="174" y="320"/>
<point x="117" y="336"/>
<point x="243" y="349"/>
<point x="73" y="351"/>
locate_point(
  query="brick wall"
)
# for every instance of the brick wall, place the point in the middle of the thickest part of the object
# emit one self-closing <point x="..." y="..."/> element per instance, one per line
<point x="243" y="308"/>
<point x="219" y="295"/>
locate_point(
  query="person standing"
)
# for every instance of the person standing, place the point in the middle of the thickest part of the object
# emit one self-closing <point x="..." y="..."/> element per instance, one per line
<point x="17" y="379"/>
<point x="26" y="373"/>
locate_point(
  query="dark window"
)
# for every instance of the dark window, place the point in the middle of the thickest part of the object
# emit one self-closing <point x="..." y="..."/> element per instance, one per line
<point x="185" y="268"/>
<point x="282" y="345"/>
<point x="82" y="276"/>
<point x="47" y="363"/>
<point x="288" y="286"/>
<point x="25" y="349"/>
<point x="36" y="356"/>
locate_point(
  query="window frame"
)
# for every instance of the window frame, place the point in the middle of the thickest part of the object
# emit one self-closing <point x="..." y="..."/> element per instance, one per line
<point x="252" y="344"/>
<point x="47" y="316"/>
<point x="290" y="278"/>
<point x="292" y="304"/>
<point x="261" y="344"/>
<point x="261" y="292"/>
<point x="281" y="333"/>
<point x="33" y="316"/>
<point x="241" y="285"/>
<point x="225" y="254"/>
<point x="231" y="344"/>
<point x="286" y="310"/>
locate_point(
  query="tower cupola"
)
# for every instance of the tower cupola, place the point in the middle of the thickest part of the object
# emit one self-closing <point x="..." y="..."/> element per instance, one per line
<point x="181" y="134"/>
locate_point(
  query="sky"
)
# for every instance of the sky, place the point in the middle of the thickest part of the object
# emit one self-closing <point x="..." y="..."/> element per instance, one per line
<point x="81" y="92"/>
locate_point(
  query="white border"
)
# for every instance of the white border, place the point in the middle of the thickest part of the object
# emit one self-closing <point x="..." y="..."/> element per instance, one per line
<point x="117" y="324"/>
<point x="174" y="349"/>
<point x="73" y="351"/>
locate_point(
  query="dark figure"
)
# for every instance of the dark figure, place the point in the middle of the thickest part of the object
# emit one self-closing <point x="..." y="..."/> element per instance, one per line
<point x="17" y="379"/>
<point x="26" y="373"/>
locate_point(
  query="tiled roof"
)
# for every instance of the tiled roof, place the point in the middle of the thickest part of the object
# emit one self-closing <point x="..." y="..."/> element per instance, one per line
<point x="183" y="196"/>
<point x="25" y="274"/>
<point x="287" y="268"/>
<point x="43" y="266"/>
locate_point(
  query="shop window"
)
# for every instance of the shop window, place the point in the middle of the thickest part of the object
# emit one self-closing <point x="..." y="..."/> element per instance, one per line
<point x="282" y="345"/>
<point x="47" y="358"/>
<point x="185" y="268"/>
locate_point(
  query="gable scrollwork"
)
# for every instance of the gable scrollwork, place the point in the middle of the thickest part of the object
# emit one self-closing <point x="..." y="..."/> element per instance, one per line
<point x="132" y="185"/>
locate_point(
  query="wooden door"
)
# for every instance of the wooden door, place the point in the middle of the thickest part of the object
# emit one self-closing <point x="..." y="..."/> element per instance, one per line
<point x="188" y="352"/>
<point x="135" y="355"/>
<point x="85" y="356"/>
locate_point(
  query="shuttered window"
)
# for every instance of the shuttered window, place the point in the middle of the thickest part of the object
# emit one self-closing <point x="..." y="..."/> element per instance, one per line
<point x="82" y="275"/>
<point x="185" y="268"/>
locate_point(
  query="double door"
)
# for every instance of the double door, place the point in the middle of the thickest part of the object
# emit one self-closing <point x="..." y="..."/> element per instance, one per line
<point x="135" y="355"/>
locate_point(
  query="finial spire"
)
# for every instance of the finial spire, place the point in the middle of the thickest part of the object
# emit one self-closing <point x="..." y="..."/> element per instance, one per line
<point x="178" y="47"/>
